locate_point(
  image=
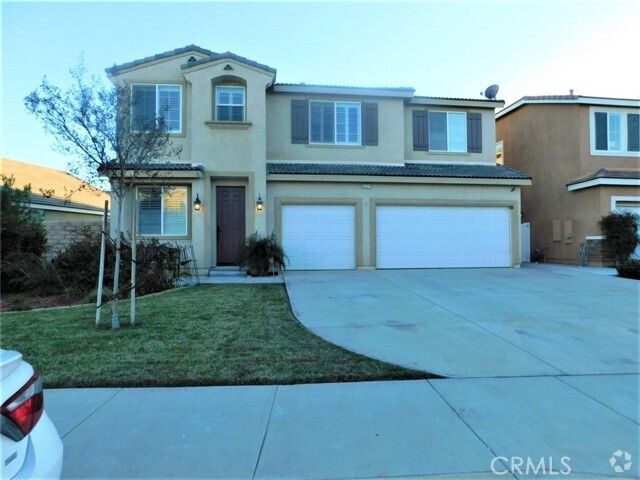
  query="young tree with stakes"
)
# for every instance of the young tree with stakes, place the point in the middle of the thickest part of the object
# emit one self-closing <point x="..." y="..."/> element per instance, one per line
<point x="94" y="123"/>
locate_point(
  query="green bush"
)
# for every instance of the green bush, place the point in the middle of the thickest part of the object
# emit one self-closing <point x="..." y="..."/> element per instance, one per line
<point x="158" y="265"/>
<point x="18" y="303"/>
<point x="620" y="230"/>
<point x="629" y="269"/>
<point x="23" y="240"/>
<point x="260" y="255"/>
<point x="92" y="296"/>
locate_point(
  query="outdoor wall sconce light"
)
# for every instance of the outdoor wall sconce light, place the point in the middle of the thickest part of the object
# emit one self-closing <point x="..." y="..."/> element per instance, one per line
<point x="197" y="204"/>
<point x="259" y="203"/>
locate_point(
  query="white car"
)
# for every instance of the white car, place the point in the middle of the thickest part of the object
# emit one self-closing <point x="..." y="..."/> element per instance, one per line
<point x="31" y="446"/>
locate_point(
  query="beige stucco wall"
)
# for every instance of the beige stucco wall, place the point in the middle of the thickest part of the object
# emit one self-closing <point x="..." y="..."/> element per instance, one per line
<point x="235" y="154"/>
<point x="390" y="133"/>
<point x="168" y="71"/>
<point x="488" y="154"/>
<point x="231" y="154"/>
<point x="551" y="142"/>
<point x="591" y="163"/>
<point x="299" y="191"/>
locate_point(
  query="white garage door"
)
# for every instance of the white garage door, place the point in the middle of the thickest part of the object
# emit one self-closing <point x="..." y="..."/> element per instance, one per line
<point x="319" y="237"/>
<point x="442" y="237"/>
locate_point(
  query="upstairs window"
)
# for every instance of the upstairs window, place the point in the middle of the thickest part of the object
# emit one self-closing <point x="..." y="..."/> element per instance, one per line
<point x="230" y="104"/>
<point x="334" y="123"/>
<point x="608" y="131"/>
<point x="615" y="133"/>
<point x="440" y="131"/>
<point x="151" y="102"/>
<point x="162" y="211"/>
<point x="447" y="131"/>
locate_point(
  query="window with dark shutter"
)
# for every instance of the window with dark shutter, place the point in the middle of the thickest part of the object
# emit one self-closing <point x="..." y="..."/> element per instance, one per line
<point x="370" y="124"/>
<point x="300" y="121"/>
<point x="633" y="132"/>
<point x="601" y="131"/>
<point x="421" y="130"/>
<point x="474" y="132"/>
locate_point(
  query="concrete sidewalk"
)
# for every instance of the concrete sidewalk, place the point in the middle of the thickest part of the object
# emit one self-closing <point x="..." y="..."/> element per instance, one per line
<point x="453" y="429"/>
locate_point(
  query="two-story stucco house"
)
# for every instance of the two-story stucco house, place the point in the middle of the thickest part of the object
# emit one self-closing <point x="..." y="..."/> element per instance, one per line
<point x="345" y="177"/>
<point x="584" y="156"/>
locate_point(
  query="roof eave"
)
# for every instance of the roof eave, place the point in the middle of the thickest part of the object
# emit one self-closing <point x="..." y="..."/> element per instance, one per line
<point x="351" y="91"/>
<point x="125" y="67"/>
<point x="578" y="100"/>
<point x="457" y="102"/>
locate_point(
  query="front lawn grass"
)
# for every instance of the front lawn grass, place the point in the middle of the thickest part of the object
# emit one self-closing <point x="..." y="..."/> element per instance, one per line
<point x="206" y="335"/>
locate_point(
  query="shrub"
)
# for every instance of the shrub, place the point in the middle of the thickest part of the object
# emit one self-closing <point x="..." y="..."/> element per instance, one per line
<point x="260" y="254"/>
<point x="78" y="264"/>
<point x="92" y="296"/>
<point x="23" y="239"/>
<point x="620" y="230"/>
<point x="158" y="264"/>
<point x="629" y="269"/>
<point x="18" y="303"/>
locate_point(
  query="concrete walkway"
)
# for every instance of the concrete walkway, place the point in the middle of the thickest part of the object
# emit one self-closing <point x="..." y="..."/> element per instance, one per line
<point x="554" y="353"/>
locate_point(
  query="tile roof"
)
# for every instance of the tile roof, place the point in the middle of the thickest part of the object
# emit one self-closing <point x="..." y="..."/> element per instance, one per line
<point x="178" y="51"/>
<point x="53" y="187"/>
<point x="38" y="199"/>
<point x="406" y="170"/>
<point x="213" y="57"/>
<point x="569" y="99"/>
<point x="172" y="167"/>
<point x="316" y="85"/>
<point x="184" y="167"/>
<point x="458" y="98"/>
<point x="550" y="97"/>
<point x="606" y="173"/>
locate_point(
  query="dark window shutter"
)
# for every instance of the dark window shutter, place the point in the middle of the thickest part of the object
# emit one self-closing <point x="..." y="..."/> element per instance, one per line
<point x="601" y="131"/>
<point x="421" y="130"/>
<point x="633" y="132"/>
<point x="474" y="132"/>
<point x="369" y="118"/>
<point x="300" y="121"/>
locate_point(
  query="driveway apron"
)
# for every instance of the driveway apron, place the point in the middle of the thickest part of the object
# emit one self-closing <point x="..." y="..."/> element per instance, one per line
<point x="476" y="323"/>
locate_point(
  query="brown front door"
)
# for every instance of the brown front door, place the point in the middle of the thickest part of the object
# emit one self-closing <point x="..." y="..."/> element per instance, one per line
<point x="230" y="215"/>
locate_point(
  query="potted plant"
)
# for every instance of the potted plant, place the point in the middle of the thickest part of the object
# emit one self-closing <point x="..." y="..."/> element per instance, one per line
<point x="261" y="256"/>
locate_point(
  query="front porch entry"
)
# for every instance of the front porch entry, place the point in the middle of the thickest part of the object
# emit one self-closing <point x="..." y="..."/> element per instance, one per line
<point x="230" y="224"/>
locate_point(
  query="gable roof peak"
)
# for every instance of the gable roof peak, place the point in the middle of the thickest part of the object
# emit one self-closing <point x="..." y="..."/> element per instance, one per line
<point x="160" y="56"/>
<point x="214" y="57"/>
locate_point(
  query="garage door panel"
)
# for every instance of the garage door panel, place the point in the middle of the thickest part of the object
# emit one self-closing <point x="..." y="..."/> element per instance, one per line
<point x="442" y="237"/>
<point x="319" y="237"/>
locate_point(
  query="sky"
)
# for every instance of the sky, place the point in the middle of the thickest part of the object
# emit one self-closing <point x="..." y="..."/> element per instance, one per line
<point x="447" y="49"/>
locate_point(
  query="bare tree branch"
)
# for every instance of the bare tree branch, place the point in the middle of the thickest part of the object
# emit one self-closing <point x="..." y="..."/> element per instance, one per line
<point x="93" y="124"/>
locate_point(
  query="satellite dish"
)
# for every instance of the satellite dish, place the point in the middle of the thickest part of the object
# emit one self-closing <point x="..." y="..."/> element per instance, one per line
<point x="491" y="92"/>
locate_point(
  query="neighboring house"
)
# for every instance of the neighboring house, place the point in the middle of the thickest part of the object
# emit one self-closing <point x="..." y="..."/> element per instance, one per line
<point x="65" y="203"/>
<point x="584" y="156"/>
<point x="346" y="177"/>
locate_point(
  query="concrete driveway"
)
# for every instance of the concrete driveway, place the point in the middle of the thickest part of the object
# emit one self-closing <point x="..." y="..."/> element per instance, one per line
<point x="535" y="321"/>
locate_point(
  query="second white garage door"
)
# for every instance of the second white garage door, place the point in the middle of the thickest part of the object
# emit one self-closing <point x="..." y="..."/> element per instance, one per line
<point x="319" y="237"/>
<point x="442" y="237"/>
